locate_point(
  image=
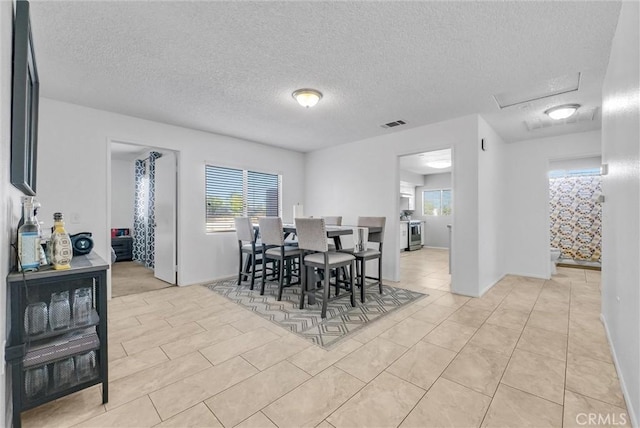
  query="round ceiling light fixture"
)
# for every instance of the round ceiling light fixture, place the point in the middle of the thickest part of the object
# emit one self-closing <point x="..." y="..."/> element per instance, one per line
<point x="439" y="164"/>
<point x="307" y="97"/>
<point x="562" y="112"/>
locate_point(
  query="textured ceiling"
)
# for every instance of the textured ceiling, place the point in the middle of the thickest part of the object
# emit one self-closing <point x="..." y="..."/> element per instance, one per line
<point x="230" y="67"/>
<point x="418" y="163"/>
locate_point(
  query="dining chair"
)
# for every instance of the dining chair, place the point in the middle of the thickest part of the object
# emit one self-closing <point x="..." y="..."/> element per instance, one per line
<point x="274" y="248"/>
<point x="362" y="257"/>
<point x="332" y="221"/>
<point x="247" y="244"/>
<point x="312" y="237"/>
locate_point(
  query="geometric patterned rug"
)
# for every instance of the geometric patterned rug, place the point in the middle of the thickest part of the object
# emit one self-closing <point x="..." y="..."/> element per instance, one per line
<point x="342" y="319"/>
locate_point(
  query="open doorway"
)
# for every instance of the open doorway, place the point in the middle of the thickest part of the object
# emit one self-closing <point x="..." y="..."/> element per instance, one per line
<point x="575" y="213"/>
<point x="425" y="215"/>
<point x="143" y="218"/>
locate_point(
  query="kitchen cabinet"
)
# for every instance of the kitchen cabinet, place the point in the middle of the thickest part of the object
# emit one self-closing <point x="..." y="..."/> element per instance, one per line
<point x="404" y="235"/>
<point x="57" y="342"/>
<point x="407" y="196"/>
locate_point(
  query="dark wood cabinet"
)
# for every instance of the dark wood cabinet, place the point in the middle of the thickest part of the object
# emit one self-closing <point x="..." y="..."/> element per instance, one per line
<point x="57" y="342"/>
<point x="123" y="246"/>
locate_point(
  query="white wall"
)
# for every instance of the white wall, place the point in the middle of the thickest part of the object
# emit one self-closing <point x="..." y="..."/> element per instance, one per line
<point x="526" y="203"/>
<point x="435" y="231"/>
<point x="9" y="195"/>
<point x="123" y="193"/>
<point x="411" y="177"/>
<point x="590" y="162"/>
<point x="491" y="198"/>
<point x="621" y="210"/>
<point x="72" y="178"/>
<point x="364" y="181"/>
<point x="437" y="181"/>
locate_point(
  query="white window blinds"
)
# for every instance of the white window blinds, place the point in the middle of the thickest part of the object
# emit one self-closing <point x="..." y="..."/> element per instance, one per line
<point x="234" y="193"/>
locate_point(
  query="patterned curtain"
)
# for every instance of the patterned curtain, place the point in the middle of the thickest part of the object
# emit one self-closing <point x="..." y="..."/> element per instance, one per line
<point x="139" y="214"/>
<point x="144" y="220"/>
<point x="576" y="216"/>
<point x="151" y="206"/>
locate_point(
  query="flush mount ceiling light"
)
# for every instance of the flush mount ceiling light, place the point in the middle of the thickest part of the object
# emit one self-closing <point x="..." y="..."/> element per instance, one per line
<point x="562" y="112"/>
<point x="439" y="164"/>
<point x="307" y="97"/>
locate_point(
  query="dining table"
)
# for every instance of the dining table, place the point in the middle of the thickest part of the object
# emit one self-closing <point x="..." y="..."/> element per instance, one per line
<point x="335" y="233"/>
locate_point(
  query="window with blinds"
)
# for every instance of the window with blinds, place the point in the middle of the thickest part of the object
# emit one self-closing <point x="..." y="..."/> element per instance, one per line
<point x="234" y="193"/>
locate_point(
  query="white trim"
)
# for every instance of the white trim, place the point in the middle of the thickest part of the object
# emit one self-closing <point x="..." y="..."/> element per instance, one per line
<point x="177" y="157"/>
<point x="623" y="385"/>
<point x="490" y="286"/>
<point x="529" y="275"/>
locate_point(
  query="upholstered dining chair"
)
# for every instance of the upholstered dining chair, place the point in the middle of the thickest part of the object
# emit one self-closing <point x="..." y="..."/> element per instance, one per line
<point x="332" y="221"/>
<point x="312" y="237"/>
<point x="274" y="248"/>
<point x="247" y="244"/>
<point x="362" y="257"/>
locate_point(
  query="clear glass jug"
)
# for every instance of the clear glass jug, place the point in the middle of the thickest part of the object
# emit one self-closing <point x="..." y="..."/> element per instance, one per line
<point x="59" y="310"/>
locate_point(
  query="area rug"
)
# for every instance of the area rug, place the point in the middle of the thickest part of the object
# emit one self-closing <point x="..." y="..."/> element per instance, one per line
<point x="342" y="319"/>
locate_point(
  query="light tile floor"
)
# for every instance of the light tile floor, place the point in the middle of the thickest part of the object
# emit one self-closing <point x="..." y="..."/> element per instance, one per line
<point x="528" y="353"/>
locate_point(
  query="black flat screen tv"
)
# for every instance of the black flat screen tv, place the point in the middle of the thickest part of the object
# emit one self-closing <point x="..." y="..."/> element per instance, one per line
<point x="24" y="104"/>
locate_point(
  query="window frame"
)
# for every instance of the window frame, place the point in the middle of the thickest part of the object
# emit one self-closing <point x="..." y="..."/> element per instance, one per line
<point x="441" y="206"/>
<point x="210" y="227"/>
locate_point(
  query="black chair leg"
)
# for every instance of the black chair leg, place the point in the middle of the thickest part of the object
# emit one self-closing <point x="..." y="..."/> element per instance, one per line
<point x="363" y="279"/>
<point x="303" y="286"/>
<point x="253" y="271"/>
<point x="263" y="278"/>
<point x="352" y="284"/>
<point x="380" y="274"/>
<point x="281" y="280"/>
<point x="325" y="294"/>
<point x="240" y="269"/>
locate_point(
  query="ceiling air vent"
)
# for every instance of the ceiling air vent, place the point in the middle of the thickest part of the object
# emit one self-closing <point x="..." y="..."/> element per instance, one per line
<point x="392" y="124"/>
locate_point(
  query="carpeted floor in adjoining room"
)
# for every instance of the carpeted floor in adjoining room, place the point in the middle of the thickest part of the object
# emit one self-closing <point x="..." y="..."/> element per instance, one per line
<point x="133" y="278"/>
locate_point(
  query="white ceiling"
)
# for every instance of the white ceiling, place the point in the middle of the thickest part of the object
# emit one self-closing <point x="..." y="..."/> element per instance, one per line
<point x="230" y="67"/>
<point x="418" y="163"/>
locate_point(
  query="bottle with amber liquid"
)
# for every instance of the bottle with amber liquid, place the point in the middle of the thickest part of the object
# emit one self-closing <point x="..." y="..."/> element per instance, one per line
<point x="61" y="251"/>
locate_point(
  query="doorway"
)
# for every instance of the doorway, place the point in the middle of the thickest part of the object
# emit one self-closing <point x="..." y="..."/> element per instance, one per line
<point x="426" y="204"/>
<point x="575" y="212"/>
<point x="144" y="215"/>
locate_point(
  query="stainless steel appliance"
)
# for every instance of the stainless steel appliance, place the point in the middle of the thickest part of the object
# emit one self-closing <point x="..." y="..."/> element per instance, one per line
<point x="415" y="235"/>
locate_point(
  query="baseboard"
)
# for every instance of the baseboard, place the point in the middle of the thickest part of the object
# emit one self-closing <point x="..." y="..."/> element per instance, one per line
<point x="623" y="385"/>
<point x="529" y="275"/>
<point x="490" y="286"/>
<point x="436" y="248"/>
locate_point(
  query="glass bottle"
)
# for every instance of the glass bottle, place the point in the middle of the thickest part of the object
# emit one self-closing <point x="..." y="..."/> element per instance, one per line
<point x="28" y="239"/>
<point x="61" y="251"/>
